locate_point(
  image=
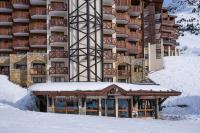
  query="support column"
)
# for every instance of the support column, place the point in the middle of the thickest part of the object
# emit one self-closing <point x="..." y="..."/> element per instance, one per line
<point x="131" y="107"/>
<point x="116" y="107"/>
<point x="169" y="51"/>
<point x="100" y="113"/>
<point x="79" y="106"/>
<point x="156" y="108"/>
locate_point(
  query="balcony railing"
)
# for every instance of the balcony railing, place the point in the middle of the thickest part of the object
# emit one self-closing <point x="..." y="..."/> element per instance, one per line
<point x="38" y="41"/>
<point x="108" y="25"/>
<point x="37" y="71"/>
<point x="110" y="71"/>
<point x="134" y="10"/>
<point x="121" y="44"/>
<point x="58" y="70"/>
<point x="58" y="22"/>
<point x="135" y="35"/>
<point x="122" y="16"/>
<point x="57" y="6"/>
<point x="5" y="18"/>
<point x="109" y="41"/>
<point x="38" y="11"/>
<point x="135" y="22"/>
<point x="166" y="28"/>
<point x="107" y="10"/>
<point x="21" y="29"/>
<point x="5" y="45"/>
<point x="5" y="31"/>
<point x="168" y="22"/>
<point x="58" y="54"/>
<point x="123" y="73"/>
<point x="20" y="44"/>
<point x="121" y="30"/>
<point x="172" y="42"/>
<point x="38" y="26"/>
<point x="5" y="4"/>
<point x="110" y="56"/>
<point x="58" y="38"/>
<point x="122" y="2"/>
<point x="20" y="15"/>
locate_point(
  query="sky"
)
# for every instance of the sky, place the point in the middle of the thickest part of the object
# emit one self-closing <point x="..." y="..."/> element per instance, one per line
<point x="166" y="2"/>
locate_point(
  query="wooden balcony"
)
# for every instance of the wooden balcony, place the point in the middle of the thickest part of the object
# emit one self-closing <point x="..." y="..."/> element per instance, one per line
<point x="58" y="54"/>
<point x="122" y="32"/>
<point x="5" y="32"/>
<point x="109" y="56"/>
<point x="38" y="12"/>
<point x="134" y="11"/>
<point x="58" y="70"/>
<point x="110" y="72"/>
<point x="58" y="22"/>
<point x="5" y="20"/>
<point x="168" y="29"/>
<point x="168" y="35"/>
<point x="109" y="42"/>
<point x="37" y="71"/>
<point x="58" y="39"/>
<point x="5" y="7"/>
<point x="122" y="5"/>
<point x="38" y="41"/>
<point x="20" y="16"/>
<point x="169" y="42"/>
<point x="135" y="23"/>
<point x="108" y="13"/>
<point x="5" y="46"/>
<point x="168" y="22"/>
<point x="108" y="27"/>
<point x="57" y="6"/>
<point x="132" y="49"/>
<point x="20" y="44"/>
<point x="38" y="27"/>
<point x="20" y="30"/>
<point x="20" y="4"/>
<point x="121" y="46"/>
<point x="124" y="73"/>
<point x="134" y="36"/>
<point x="122" y="18"/>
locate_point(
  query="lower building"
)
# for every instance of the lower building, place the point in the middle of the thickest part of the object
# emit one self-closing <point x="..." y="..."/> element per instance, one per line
<point x="102" y="98"/>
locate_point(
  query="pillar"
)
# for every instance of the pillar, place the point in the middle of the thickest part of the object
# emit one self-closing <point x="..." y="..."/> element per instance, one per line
<point x="169" y="51"/>
<point x="116" y="106"/>
<point x="156" y="108"/>
<point x="100" y="107"/>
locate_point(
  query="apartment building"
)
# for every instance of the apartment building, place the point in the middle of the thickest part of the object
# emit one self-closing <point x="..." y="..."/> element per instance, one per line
<point x="102" y="40"/>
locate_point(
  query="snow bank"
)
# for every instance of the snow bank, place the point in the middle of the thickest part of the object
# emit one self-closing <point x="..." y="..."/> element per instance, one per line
<point x="15" y="95"/>
<point x="183" y="74"/>
<point x="17" y="121"/>
<point x="90" y="86"/>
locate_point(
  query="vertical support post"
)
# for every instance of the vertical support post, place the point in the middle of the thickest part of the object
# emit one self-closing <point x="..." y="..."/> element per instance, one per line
<point x="100" y="113"/>
<point x="79" y="106"/>
<point x="47" y="103"/>
<point x="131" y="102"/>
<point x="53" y="104"/>
<point x="105" y="107"/>
<point x="156" y="108"/>
<point x="116" y="107"/>
<point x="169" y="51"/>
<point x="145" y="108"/>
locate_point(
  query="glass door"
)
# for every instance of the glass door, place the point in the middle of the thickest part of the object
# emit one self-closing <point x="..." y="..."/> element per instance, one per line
<point x="110" y="109"/>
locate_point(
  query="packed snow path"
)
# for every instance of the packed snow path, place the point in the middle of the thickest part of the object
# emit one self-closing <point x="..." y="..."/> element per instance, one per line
<point x="17" y="121"/>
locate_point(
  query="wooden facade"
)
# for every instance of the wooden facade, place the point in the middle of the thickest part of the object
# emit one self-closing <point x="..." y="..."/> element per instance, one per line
<point x="110" y="101"/>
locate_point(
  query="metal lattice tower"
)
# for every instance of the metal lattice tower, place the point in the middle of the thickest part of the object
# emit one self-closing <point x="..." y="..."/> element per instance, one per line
<point x="85" y="40"/>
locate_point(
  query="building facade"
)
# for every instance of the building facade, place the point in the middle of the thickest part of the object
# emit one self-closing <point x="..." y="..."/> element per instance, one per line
<point x="105" y="40"/>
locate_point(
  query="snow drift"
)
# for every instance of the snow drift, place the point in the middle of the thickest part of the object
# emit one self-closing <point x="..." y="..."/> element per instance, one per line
<point x="183" y="74"/>
<point x="15" y="95"/>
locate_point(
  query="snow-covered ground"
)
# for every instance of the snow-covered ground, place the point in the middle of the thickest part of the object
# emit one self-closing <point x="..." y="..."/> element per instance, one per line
<point x="15" y="95"/>
<point x="17" y="121"/>
<point x="181" y="73"/>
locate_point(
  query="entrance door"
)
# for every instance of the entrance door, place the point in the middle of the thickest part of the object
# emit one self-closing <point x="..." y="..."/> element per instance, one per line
<point x="108" y="107"/>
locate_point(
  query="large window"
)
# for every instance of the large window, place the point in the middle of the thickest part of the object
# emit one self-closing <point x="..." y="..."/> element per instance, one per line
<point x="92" y="106"/>
<point x="39" y="79"/>
<point x="123" y="107"/>
<point x="58" y="79"/>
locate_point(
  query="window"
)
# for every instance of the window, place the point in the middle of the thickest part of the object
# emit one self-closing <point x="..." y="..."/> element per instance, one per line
<point x="39" y="79"/>
<point x="22" y="66"/>
<point x="108" y="79"/>
<point x="108" y="65"/>
<point x="138" y="68"/>
<point x="122" y="80"/>
<point x="57" y="64"/>
<point x="57" y="79"/>
<point x="92" y="106"/>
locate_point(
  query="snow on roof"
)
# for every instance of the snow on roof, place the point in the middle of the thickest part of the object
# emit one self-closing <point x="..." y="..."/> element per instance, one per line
<point x="91" y="86"/>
